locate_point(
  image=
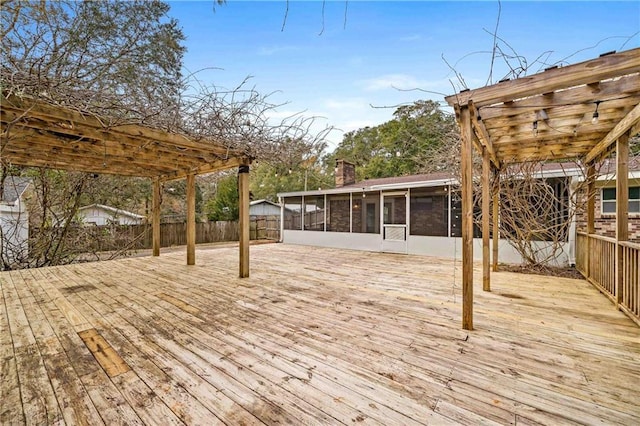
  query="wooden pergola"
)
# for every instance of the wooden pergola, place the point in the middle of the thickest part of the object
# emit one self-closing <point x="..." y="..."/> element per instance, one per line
<point x="40" y="134"/>
<point x="583" y="111"/>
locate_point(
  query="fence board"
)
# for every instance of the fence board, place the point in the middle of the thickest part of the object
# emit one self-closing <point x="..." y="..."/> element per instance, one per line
<point x="136" y="237"/>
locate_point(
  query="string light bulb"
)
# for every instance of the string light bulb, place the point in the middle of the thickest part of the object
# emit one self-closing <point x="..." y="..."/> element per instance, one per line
<point x="596" y="114"/>
<point x="541" y="115"/>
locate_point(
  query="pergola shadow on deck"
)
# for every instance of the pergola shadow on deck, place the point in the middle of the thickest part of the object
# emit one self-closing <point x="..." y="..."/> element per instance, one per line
<point x="314" y="336"/>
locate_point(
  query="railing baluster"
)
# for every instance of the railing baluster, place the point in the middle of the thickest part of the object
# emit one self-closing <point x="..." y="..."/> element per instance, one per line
<point x="601" y="269"/>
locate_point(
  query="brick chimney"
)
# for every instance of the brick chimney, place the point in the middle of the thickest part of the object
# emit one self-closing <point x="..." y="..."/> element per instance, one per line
<point x="345" y="173"/>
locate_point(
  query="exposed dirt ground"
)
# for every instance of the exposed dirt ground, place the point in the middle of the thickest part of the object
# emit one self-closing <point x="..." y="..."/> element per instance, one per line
<point x="566" y="272"/>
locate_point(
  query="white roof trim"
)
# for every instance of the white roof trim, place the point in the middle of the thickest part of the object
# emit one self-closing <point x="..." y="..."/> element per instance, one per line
<point x="117" y="212"/>
<point x="256" y="202"/>
<point x="575" y="171"/>
<point x="385" y="187"/>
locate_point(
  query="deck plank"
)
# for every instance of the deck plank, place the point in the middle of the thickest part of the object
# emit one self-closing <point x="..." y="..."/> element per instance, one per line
<point x="39" y="402"/>
<point x="73" y="401"/>
<point x="190" y="396"/>
<point x="235" y="381"/>
<point x="314" y="336"/>
<point x="11" y="405"/>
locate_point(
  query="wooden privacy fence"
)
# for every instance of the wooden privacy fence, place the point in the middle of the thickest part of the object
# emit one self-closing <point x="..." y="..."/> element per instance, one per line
<point x="596" y="260"/>
<point x="135" y="237"/>
<point x="265" y="228"/>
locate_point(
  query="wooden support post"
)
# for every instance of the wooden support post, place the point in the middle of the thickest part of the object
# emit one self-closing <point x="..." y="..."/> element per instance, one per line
<point x="591" y="211"/>
<point x="243" y="193"/>
<point x="467" y="219"/>
<point x="155" y="216"/>
<point x="622" y="207"/>
<point x="191" y="219"/>
<point x="486" y="227"/>
<point x="496" y="216"/>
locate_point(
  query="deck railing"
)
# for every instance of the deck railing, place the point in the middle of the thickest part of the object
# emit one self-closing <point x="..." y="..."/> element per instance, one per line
<point x="630" y="295"/>
<point x="596" y="261"/>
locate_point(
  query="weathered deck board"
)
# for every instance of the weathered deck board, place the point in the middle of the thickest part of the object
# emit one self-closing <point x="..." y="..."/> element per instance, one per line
<point x="314" y="336"/>
<point x="10" y="399"/>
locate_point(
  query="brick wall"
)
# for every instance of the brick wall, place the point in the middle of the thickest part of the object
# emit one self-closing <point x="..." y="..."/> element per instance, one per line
<point x="345" y="173"/>
<point x="606" y="224"/>
<point x="338" y="215"/>
<point x="430" y="218"/>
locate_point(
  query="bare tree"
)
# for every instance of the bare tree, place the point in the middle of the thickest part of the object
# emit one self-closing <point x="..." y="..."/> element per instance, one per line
<point x="536" y="212"/>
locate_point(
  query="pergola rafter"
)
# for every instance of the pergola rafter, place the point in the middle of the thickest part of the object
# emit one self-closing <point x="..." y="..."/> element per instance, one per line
<point x="36" y="133"/>
<point x="547" y="116"/>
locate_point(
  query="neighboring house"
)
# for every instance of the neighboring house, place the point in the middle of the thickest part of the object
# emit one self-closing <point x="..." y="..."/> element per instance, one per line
<point x="409" y="214"/>
<point x="98" y="214"/>
<point x="14" y="220"/>
<point x="264" y="208"/>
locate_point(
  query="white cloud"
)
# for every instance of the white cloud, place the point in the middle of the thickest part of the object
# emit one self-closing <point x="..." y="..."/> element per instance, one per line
<point x="391" y="81"/>
<point x="268" y="51"/>
<point x="406" y="82"/>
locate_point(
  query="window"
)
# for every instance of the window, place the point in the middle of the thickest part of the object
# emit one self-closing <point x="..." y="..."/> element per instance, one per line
<point x="365" y="213"/>
<point x="293" y="213"/>
<point x="338" y="211"/>
<point x="314" y="213"/>
<point x="429" y="212"/>
<point x="609" y="200"/>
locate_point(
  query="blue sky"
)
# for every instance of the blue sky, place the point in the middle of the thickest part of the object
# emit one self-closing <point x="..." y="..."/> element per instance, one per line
<point x="336" y="71"/>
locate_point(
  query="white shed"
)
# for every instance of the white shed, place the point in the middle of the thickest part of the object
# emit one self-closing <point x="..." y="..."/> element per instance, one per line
<point x="99" y="214"/>
<point x="264" y="208"/>
<point x="14" y="220"/>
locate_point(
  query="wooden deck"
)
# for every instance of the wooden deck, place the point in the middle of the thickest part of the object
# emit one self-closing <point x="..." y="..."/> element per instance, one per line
<point x="314" y="336"/>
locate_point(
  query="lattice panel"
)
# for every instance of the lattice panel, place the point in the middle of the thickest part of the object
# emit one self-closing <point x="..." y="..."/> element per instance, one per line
<point x="395" y="233"/>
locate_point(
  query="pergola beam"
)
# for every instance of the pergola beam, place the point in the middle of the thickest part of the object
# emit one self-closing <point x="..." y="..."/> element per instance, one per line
<point x="110" y="141"/>
<point x="35" y="133"/>
<point x="214" y="166"/>
<point x="570" y="100"/>
<point x="630" y="120"/>
<point x="63" y="117"/>
<point x="594" y="70"/>
<point x="52" y="162"/>
<point x="482" y="134"/>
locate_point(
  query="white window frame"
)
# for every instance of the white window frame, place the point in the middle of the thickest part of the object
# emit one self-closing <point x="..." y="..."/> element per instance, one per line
<point x="615" y="200"/>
